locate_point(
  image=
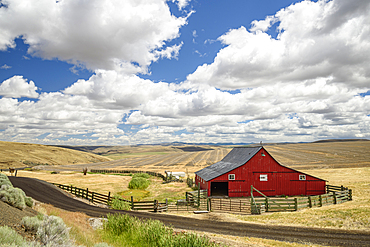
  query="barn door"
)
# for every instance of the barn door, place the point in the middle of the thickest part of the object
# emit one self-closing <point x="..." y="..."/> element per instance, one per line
<point x="219" y="189"/>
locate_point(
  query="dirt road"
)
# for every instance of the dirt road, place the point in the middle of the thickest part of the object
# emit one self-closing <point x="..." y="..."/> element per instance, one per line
<point x="47" y="193"/>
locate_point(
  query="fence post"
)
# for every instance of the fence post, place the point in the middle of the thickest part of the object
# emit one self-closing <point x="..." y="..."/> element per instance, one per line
<point x="309" y="201"/>
<point x="108" y="196"/>
<point x="198" y="195"/>
<point x="295" y="204"/>
<point x="132" y="202"/>
<point x="341" y="187"/>
<point x="207" y="204"/>
<point x="155" y="205"/>
<point x="320" y="200"/>
<point x="335" y="197"/>
<point x="92" y="197"/>
<point x="87" y="193"/>
<point x="350" y="195"/>
<point x="267" y="204"/>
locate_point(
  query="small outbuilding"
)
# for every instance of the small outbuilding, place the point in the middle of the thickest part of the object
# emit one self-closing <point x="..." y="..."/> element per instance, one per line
<point x="246" y="166"/>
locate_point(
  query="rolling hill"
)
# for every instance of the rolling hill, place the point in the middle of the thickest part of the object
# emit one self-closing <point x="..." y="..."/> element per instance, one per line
<point x="13" y="154"/>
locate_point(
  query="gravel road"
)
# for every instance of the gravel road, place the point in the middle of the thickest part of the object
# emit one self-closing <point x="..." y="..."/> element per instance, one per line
<point x="48" y="193"/>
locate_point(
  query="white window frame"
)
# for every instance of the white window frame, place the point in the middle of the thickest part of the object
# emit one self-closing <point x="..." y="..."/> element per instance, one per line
<point x="302" y="177"/>
<point x="263" y="177"/>
<point x="231" y="176"/>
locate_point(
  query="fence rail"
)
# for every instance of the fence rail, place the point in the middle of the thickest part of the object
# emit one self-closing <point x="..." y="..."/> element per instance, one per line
<point x="197" y="200"/>
<point x="230" y="205"/>
<point x="86" y="194"/>
<point x="129" y="171"/>
<point x="336" y="196"/>
<point x="95" y="197"/>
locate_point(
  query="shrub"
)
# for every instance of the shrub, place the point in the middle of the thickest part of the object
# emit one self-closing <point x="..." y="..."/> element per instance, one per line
<point x="119" y="204"/>
<point x="50" y="230"/>
<point x="102" y="245"/>
<point x="128" y="230"/>
<point x="141" y="175"/>
<point x="138" y="183"/>
<point x="10" y="238"/>
<point x="13" y="196"/>
<point x="4" y="180"/>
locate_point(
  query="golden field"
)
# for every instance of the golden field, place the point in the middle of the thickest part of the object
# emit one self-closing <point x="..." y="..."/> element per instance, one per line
<point x="13" y="154"/>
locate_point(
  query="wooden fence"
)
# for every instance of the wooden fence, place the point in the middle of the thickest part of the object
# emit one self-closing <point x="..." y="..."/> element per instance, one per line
<point x="95" y="197"/>
<point x="237" y="205"/>
<point x="194" y="201"/>
<point x="198" y="201"/>
<point x="335" y="195"/>
<point x="130" y="171"/>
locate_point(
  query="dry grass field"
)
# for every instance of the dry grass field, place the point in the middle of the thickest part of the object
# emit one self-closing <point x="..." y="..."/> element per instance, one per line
<point x="13" y="154"/>
<point x="322" y="154"/>
<point x="340" y="163"/>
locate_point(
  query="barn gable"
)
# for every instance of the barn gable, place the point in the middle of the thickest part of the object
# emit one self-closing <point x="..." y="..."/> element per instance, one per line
<point x="246" y="166"/>
<point x="234" y="159"/>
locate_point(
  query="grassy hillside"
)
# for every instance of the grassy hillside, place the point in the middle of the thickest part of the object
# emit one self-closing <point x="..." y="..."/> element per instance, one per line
<point x="341" y="154"/>
<point x="13" y="154"/>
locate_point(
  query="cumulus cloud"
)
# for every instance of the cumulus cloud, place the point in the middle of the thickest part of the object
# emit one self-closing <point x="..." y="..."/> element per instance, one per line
<point x="113" y="90"/>
<point x="308" y="83"/>
<point x="110" y="34"/>
<point x="17" y="87"/>
<point x="316" y="39"/>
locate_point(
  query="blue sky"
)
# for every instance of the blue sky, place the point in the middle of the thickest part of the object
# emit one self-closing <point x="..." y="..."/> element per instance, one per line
<point x="127" y="72"/>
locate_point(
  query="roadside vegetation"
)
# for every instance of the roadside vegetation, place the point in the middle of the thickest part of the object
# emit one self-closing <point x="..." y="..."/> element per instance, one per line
<point x="125" y="230"/>
<point x="13" y="196"/>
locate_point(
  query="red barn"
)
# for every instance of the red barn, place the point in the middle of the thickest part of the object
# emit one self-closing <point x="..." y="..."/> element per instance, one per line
<point x="246" y="166"/>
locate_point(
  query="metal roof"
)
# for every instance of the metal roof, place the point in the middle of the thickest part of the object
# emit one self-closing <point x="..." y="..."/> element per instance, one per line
<point x="236" y="158"/>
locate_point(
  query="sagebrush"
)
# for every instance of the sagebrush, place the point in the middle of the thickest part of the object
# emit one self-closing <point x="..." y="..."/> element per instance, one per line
<point x="13" y="196"/>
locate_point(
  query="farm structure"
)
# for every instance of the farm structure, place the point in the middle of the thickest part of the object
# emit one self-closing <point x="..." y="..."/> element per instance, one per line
<point x="244" y="167"/>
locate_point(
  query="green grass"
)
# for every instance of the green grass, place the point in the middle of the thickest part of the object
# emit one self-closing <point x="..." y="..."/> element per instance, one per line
<point x="125" y="230"/>
<point x="138" y="194"/>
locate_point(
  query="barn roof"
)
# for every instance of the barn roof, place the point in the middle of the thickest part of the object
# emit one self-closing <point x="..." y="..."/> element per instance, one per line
<point x="236" y="157"/>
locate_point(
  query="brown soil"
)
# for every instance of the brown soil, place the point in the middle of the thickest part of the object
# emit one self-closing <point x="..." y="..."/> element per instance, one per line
<point x="12" y="217"/>
<point x="47" y="193"/>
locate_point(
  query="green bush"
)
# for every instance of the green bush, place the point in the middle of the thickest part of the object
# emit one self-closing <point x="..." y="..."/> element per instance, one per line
<point x="13" y="196"/>
<point x="4" y="180"/>
<point x="102" y="245"/>
<point x="126" y="230"/>
<point x="10" y="238"/>
<point x="50" y="230"/>
<point x="119" y="204"/>
<point x="141" y="175"/>
<point x="138" y="183"/>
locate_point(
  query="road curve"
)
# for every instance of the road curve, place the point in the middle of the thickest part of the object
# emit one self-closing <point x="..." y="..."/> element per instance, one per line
<point x="48" y="193"/>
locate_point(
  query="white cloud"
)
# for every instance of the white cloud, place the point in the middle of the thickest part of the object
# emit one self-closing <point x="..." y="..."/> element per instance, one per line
<point x="317" y="39"/>
<point x="98" y="34"/>
<point x="113" y="90"/>
<point x="263" y="25"/>
<point x="17" y="87"/>
<point x="305" y="85"/>
<point x="181" y="3"/>
<point x="5" y="66"/>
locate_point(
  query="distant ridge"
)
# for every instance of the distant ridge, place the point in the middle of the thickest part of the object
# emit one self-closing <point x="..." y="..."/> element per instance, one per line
<point x="340" y="140"/>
